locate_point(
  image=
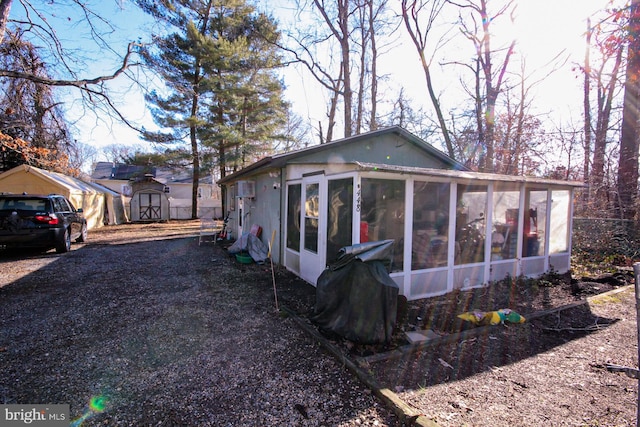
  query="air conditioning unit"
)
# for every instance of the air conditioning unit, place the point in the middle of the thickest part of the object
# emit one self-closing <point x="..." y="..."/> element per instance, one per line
<point x="246" y="189"/>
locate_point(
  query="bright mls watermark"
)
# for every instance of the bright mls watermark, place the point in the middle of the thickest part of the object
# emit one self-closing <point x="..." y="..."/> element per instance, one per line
<point x="34" y="415"/>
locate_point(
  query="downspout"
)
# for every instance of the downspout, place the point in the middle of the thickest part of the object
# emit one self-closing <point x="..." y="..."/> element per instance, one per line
<point x="283" y="214"/>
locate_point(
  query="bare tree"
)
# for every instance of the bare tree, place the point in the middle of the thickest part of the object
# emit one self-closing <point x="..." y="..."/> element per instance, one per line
<point x="371" y="24"/>
<point x="587" y="108"/>
<point x="30" y="113"/>
<point x="37" y="24"/>
<point x="418" y="28"/>
<point x="607" y="85"/>
<point x="629" y="141"/>
<point x="341" y="52"/>
<point x="478" y="31"/>
<point x="336" y="17"/>
<point x="303" y="53"/>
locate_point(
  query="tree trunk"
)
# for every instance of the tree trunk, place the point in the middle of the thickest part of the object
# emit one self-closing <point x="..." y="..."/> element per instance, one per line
<point x="606" y="92"/>
<point x="411" y="18"/>
<point x="193" y="136"/>
<point x="364" y="41"/>
<point x="587" y="113"/>
<point x="628" y="164"/>
<point x="343" y="13"/>
<point x="373" y="125"/>
<point x="5" y="8"/>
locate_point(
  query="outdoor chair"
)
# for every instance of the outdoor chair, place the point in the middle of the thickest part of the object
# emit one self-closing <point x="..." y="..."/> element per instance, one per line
<point x="208" y="231"/>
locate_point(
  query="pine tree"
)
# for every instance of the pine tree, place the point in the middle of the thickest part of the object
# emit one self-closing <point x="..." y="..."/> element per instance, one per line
<point x="223" y="92"/>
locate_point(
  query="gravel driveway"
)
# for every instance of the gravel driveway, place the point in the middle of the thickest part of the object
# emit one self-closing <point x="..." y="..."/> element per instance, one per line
<point x="141" y="326"/>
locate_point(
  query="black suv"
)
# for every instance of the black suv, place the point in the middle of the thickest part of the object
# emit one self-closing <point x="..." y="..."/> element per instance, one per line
<point x="38" y="221"/>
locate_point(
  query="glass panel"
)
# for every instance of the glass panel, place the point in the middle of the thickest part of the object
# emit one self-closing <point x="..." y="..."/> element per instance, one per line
<point x="430" y="225"/>
<point x="339" y="216"/>
<point x="311" y="214"/>
<point x="535" y="218"/>
<point x="383" y="215"/>
<point x="293" y="216"/>
<point x="559" y="228"/>
<point x="504" y="233"/>
<point x="470" y="223"/>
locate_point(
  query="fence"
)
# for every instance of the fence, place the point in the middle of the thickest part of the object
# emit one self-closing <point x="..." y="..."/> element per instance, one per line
<point x="606" y="236"/>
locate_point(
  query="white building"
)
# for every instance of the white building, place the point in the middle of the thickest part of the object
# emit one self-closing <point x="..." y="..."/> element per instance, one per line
<point x="178" y="187"/>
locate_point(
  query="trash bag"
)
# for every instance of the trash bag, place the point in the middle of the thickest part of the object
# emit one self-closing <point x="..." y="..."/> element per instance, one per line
<point x="357" y="299"/>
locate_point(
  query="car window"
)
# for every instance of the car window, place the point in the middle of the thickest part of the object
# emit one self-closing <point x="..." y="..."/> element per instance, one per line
<point x="72" y="208"/>
<point x="35" y="204"/>
<point x="6" y="204"/>
<point x="61" y="204"/>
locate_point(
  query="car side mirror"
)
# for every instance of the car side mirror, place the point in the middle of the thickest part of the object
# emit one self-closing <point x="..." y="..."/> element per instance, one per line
<point x="80" y="210"/>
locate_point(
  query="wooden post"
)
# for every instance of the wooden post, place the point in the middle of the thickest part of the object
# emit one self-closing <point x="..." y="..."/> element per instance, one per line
<point x="632" y="372"/>
<point x="636" y="274"/>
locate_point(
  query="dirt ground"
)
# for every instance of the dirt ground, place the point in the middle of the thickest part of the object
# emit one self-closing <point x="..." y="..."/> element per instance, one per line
<point x="173" y="333"/>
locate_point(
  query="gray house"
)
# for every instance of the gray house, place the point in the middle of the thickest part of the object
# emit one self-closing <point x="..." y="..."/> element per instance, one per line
<point x="452" y="228"/>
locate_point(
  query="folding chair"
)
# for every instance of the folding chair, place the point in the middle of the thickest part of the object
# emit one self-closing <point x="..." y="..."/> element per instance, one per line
<point x="208" y="231"/>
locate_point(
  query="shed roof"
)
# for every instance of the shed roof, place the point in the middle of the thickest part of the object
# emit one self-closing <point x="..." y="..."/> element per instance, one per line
<point x="279" y="160"/>
<point x="470" y="175"/>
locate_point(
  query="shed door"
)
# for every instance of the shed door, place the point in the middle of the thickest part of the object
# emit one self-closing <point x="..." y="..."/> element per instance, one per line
<point x="313" y="222"/>
<point x="150" y="206"/>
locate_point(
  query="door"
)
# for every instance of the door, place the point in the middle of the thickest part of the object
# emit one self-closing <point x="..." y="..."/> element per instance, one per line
<point x="150" y="206"/>
<point x="312" y="239"/>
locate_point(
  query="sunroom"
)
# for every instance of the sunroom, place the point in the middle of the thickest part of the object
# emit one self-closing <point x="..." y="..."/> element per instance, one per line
<point x="451" y="229"/>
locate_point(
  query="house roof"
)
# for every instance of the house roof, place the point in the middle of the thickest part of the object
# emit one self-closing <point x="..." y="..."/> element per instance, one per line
<point x="108" y="170"/>
<point x="72" y="184"/>
<point x="120" y="171"/>
<point x="279" y="160"/>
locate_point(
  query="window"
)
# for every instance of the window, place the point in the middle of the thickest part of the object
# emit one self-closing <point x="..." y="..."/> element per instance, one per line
<point x="311" y="216"/>
<point x="535" y="218"/>
<point x="293" y="216"/>
<point x="430" y="225"/>
<point x="61" y="205"/>
<point x="339" y="216"/>
<point x="559" y="227"/>
<point x="383" y="214"/>
<point x="470" y="223"/>
<point x="504" y="230"/>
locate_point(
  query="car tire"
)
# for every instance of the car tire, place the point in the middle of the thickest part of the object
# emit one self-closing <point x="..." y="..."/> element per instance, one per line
<point x="83" y="234"/>
<point x="64" y="242"/>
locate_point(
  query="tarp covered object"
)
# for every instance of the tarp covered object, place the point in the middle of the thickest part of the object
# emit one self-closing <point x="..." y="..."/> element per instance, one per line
<point x="355" y="297"/>
<point x="252" y="244"/>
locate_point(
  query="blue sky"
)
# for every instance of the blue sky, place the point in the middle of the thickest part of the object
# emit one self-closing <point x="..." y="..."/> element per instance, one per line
<point x="543" y="29"/>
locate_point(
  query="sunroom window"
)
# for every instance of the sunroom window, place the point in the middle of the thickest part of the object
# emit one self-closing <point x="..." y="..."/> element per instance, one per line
<point x="559" y="231"/>
<point x="504" y="230"/>
<point x="382" y="214"/>
<point x="430" y="225"/>
<point x="470" y="223"/>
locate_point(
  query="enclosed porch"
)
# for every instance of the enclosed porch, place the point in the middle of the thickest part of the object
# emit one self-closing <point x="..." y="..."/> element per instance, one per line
<point x="451" y="229"/>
